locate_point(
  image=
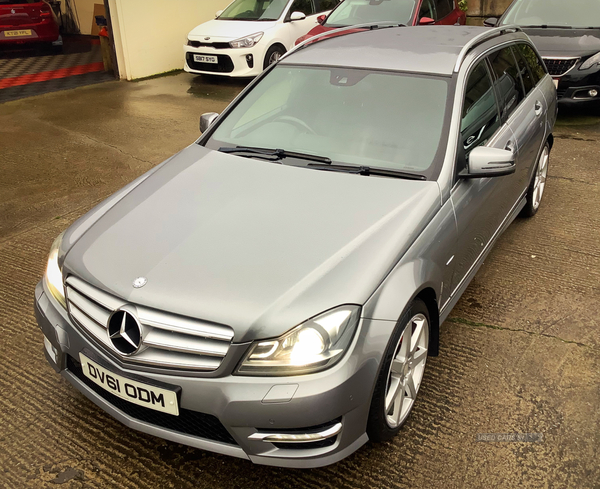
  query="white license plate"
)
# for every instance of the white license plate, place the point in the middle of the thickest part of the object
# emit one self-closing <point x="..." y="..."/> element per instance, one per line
<point x="25" y="32"/>
<point x="555" y="82"/>
<point x="138" y="393"/>
<point x="200" y="58"/>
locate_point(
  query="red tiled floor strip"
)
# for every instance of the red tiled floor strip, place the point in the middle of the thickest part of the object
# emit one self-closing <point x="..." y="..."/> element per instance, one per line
<point x="50" y="75"/>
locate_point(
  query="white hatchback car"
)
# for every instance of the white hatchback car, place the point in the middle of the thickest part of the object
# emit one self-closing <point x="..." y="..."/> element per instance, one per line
<point x="249" y="35"/>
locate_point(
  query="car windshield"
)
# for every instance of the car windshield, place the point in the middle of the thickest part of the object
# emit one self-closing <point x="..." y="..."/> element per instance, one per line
<point x="254" y="10"/>
<point x="352" y="12"/>
<point x="355" y="117"/>
<point x="559" y="13"/>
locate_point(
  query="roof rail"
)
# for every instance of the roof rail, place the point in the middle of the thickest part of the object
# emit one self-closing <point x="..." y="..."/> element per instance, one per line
<point x="370" y="26"/>
<point x="480" y="39"/>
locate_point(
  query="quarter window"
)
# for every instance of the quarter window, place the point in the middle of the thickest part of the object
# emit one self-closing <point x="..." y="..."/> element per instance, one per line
<point x="537" y="67"/>
<point x="509" y="87"/>
<point x="480" y="117"/>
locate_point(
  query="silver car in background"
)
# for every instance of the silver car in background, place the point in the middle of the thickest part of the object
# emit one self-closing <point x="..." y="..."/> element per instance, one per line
<point x="273" y="291"/>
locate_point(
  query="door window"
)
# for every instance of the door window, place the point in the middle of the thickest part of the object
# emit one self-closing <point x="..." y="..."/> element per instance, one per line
<point x="443" y="8"/>
<point x="480" y="117"/>
<point x="537" y="67"/>
<point x="509" y="87"/>
<point x="304" y="6"/>
<point x="427" y="10"/>
<point x="324" y="5"/>
<point x="526" y="76"/>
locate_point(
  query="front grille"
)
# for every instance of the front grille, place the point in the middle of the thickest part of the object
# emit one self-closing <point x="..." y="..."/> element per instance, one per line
<point x="167" y="340"/>
<point x="216" y="45"/>
<point x="225" y="65"/>
<point x="559" y="67"/>
<point x="188" y="422"/>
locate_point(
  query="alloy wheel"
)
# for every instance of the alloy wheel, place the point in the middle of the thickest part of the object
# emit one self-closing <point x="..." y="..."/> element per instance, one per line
<point x="406" y="371"/>
<point x="540" y="178"/>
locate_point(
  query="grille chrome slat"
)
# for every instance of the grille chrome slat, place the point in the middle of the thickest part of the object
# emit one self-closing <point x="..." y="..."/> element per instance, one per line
<point x="177" y="342"/>
<point x="157" y="319"/>
<point x="103" y="299"/>
<point x="90" y="309"/>
<point x="168" y="340"/>
<point x="90" y="325"/>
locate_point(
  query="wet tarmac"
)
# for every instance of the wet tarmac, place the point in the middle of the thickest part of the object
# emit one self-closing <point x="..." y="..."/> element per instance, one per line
<point x="519" y="354"/>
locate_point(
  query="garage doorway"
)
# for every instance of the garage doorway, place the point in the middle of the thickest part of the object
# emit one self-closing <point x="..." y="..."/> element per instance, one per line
<point x="29" y="68"/>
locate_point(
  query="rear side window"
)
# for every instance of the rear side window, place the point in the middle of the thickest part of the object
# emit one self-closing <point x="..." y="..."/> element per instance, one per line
<point x="508" y="84"/>
<point x="324" y="5"/>
<point x="536" y="66"/>
<point x="304" y="6"/>
<point x="480" y="117"/>
<point x="443" y="8"/>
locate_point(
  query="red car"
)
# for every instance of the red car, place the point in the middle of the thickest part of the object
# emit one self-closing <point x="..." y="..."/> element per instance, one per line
<point x="28" y="21"/>
<point x="408" y="12"/>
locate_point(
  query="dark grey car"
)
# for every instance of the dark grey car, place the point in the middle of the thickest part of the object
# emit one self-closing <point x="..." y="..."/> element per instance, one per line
<point x="273" y="291"/>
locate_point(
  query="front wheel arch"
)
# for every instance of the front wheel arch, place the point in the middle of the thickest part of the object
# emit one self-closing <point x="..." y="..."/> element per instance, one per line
<point x="272" y="47"/>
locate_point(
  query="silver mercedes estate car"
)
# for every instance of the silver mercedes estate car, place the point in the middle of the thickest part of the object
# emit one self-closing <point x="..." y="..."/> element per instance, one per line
<point x="273" y="291"/>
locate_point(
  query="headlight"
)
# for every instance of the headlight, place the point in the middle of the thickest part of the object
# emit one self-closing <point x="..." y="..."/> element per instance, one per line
<point x="247" y="42"/>
<point x="314" y="345"/>
<point x="53" y="277"/>
<point x="594" y="60"/>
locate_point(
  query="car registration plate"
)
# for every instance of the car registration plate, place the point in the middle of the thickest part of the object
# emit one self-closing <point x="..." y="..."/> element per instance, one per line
<point x="201" y="58"/>
<point x="139" y="393"/>
<point x="22" y="33"/>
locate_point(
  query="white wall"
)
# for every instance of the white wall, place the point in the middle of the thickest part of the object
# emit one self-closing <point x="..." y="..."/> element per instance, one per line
<point x="85" y="13"/>
<point x="150" y="34"/>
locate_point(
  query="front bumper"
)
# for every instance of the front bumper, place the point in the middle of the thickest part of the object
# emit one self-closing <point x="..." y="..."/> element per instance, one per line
<point x="575" y="86"/>
<point x="236" y="415"/>
<point x="232" y="62"/>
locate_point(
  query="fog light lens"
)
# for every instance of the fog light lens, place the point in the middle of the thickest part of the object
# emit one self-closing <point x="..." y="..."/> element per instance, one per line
<point x="593" y="92"/>
<point x="250" y="60"/>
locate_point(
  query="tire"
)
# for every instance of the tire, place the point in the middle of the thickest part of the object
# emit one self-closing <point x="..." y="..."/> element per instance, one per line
<point x="535" y="192"/>
<point x="273" y="54"/>
<point x="385" y="422"/>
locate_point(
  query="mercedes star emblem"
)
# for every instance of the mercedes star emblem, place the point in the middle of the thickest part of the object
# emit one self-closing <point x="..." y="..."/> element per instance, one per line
<point x="139" y="282"/>
<point x="125" y="332"/>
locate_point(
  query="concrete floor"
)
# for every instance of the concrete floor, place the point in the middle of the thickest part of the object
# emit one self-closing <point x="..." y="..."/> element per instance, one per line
<point x="520" y="352"/>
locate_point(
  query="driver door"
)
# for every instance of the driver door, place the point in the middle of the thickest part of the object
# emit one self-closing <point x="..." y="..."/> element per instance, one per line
<point x="294" y="29"/>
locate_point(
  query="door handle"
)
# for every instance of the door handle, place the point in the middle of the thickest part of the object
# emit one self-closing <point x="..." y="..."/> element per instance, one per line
<point x="538" y="108"/>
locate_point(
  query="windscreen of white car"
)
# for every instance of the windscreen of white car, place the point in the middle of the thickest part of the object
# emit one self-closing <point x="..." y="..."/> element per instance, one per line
<point x="351" y="116"/>
<point x="254" y="10"/>
<point x="554" y="13"/>
<point x="352" y="12"/>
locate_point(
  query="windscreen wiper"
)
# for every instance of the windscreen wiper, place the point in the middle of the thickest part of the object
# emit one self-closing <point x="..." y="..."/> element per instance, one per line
<point x="368" y="171"/>
<point x="547" y="26"/>
<point x="275" y="154"/>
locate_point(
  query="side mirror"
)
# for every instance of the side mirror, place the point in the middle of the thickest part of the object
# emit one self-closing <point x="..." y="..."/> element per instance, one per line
<point x="426" y="21"/>
<point x="321" y="19"/>
<point x="491" y="22"/>
<point x="218" y="14"/>
<point x="489" y="162"/>
<point x="297" y="16"/>
<point x="206" y="120"/>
